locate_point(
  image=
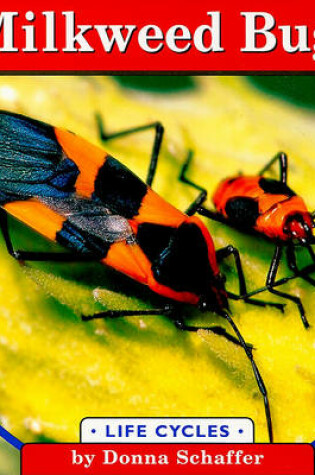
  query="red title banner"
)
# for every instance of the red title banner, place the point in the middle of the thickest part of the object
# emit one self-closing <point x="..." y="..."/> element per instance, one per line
<point x="204" y="36"/>
<point x="156" y="459"/>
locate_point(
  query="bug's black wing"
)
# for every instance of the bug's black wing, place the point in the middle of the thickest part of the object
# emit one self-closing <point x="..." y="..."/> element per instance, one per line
<point x="34" y="166"/>
<point x="89" y="228"/>
<point x="32" y="162"/>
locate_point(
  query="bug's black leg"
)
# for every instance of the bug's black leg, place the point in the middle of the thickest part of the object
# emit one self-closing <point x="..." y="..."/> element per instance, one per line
<point x="195" y="205"/>
<point x="167" y="310"/>
<point x="37" y="256"/>
<point x="182" y="175"/>
<point x="243" y="294"/>
<point x="277" y="283"/>
<point x="291" y="259"/>
<point x="259" y="303"/>
<point x="217" y="330"/>
<point x="302" y="273"/>
<point x="5" y="232"/>
<point x="53" y="257"/>
<point x="283" y="161"/>
<point x="193" y="208"/>
<point x="248" y="350"/>
<point x="159" y="131"/>
<point x="211" y="215"/>
<point x="271" y="279"/>
<point x="258" y="377"/>
<point x="228" y="251"/>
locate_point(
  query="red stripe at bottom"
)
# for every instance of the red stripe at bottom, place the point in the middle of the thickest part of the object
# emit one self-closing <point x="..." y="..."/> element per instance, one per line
<point x="120" y="459"/>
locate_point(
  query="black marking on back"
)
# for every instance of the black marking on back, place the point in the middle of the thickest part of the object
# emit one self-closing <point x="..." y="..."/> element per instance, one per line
<point x="154" y="238"/>
<point x="229" y="181"/>
<point x="242" y="211"/>
<point x="119" y="189"/>
<point x="184" y="264"/>
<point x="32" y="163"/>
<point x="275" y="187"/>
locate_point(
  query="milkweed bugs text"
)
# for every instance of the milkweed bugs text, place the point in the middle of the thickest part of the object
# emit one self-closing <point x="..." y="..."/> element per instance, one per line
<point x="270" y="208"/>
<point x="76" y="194"/>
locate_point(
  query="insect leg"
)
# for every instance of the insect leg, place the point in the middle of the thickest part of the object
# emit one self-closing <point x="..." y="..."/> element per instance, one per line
<point x="37" y="256"/>
<point x="271" y="279"/>
<point x="217" y="330"/>
<point x="179" y="323"/>
<point x="303" y="273"/>
<point x="291" y="259"/>
<point x="159" y="131"/>
<point x="201" y="198"/>
<point x="53" y="257"/>
<point x="5" y="232"/>
<point x="182" y="175"/>
<point x="243" y="295"/>
<point x="166" y="310"/>
<point x="248" y="350"/>
<point x="211" y="215"/>
<point x="258" y="377"/>
<point x="283" y="161"/>
<point x="194" y="207"/>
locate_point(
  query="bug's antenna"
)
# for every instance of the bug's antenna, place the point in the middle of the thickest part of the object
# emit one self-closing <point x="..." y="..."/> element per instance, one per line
<point x="260" y="382"/>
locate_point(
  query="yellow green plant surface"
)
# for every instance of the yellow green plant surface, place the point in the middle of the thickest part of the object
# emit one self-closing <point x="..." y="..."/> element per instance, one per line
<point x="9" y="459"/>
<point x="56" y="369"/>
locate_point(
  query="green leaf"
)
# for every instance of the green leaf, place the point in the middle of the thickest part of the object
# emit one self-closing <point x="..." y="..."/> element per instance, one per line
<point x="158" y="84"/>
<point x="296" y="89"/>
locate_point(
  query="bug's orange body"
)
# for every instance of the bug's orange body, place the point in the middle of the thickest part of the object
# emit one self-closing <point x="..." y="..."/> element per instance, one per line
<point x="269" y="207"/>
<point x="76" y="194"/>
<point x="141" y="207"/>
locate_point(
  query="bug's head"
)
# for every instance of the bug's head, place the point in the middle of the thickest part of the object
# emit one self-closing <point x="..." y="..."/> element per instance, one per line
<point x="215" y="299"/>
<point x="299" y="227"/>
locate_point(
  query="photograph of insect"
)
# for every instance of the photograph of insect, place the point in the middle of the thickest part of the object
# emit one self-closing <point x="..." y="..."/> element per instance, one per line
<point x="74" y="193"/>
<point x="268" y="208"/>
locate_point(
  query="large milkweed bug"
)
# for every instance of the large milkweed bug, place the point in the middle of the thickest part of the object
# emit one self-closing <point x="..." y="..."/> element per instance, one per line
<point x="268" y="207"/>
<point x="74" y="193"/>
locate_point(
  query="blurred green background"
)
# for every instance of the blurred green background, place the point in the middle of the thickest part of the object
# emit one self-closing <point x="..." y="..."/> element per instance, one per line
<point x="296" y="89"/>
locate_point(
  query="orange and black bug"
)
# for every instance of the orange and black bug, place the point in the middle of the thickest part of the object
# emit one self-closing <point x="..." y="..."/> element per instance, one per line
<point x="74" y="193"/>
<point x="272" y="209"/>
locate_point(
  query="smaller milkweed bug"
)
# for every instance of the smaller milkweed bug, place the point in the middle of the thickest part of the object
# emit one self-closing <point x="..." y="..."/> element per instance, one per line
<point x="268" y="207"/>
<point x="76" y="194"/>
